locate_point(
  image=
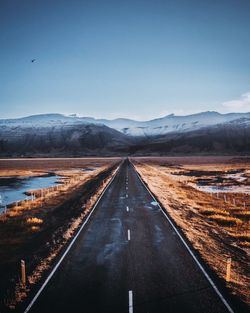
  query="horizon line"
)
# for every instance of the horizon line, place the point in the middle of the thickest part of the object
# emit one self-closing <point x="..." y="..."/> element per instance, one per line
<point x="78" y="115"/>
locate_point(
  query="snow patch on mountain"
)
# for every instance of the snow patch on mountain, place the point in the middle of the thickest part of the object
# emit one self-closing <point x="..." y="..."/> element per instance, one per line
<point x="172" y="123"/>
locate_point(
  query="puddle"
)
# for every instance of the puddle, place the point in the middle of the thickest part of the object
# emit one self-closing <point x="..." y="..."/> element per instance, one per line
<point x="233" y="181"/>
<point x="238" y="177"/>
<point x="215" y="189"/>
<point x="88" y="169"/>
<point x="12" y="189"/>
<point x="154" y="203"/>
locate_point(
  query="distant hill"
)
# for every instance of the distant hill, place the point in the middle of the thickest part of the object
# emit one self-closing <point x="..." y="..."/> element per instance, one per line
<point x="226" y="138"/>
<point x="65" y="140"/>
<point x="172" y="123"/>
<point x="60" y="135"/>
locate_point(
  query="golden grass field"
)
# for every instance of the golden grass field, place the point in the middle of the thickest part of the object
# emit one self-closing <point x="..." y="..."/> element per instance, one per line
<point x="217" y="225"/>
<point x="39" y="166"/>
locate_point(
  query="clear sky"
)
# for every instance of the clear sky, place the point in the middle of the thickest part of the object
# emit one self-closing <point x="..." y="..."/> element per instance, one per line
<point x="138" y="59"/>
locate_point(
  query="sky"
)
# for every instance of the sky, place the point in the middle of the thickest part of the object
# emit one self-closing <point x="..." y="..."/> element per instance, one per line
<point x="136" y="59"/>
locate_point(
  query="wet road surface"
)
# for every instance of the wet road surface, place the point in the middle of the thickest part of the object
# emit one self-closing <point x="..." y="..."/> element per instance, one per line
<point x="128" y="259"/>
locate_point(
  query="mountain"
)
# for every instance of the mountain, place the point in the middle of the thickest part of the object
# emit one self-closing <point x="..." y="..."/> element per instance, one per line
<point x="155" y="127"/>
<point x="60" y="135"/>
<point x="61" y="140"/>
<point x="172" y="123"/>
<point x="227" y="138"/>
<point x="44" y="120"/>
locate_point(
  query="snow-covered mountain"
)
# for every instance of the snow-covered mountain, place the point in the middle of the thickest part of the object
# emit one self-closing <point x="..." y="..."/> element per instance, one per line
<point x="172" y="123"/>
<point x="56" y="140"/>
<point x="59" y="135"/>
<point x="161" y="126"/>
<point x="44" y="120"/>
<point x="231" y="137"/>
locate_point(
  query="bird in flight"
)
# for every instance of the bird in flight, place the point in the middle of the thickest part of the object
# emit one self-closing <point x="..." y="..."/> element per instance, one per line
<point x="33" y="60"/>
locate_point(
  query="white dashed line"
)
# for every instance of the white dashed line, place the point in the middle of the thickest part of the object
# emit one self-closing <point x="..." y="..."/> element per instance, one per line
<point x="128" y="234"/>
<point x="130" y="301"/>
<point x="126" y="195"/>
<point x="127" y="209"/>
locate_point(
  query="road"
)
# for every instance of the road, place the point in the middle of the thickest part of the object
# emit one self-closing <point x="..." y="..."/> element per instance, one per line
<point x="128" y="258"/>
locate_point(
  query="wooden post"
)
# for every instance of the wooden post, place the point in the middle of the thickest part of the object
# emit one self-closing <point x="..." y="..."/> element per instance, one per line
<point x="23" y="273"/>
<point x="234" y="202"/>
<point x="225" y="198"/>
<point x="244" y="205"/>
<point x="228" y="271"/>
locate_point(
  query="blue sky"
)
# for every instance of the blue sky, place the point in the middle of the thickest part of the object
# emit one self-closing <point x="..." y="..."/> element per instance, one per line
<point x="138" y="59"/>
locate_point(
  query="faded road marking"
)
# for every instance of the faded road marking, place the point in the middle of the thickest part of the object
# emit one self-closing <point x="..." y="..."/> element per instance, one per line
<point x="130" y="301"/>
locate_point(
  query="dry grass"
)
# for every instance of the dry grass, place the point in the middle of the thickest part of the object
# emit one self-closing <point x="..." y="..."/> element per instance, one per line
<point x="216" y="228"/>
<point x="225" y="220"/>
<point x="242" y="214"/>
<point x="245" y="236"/>
<point x="35" y="228"/>
<point x="213" y="211"/>
<point x="25" y="167"/>
<point x="34" y="221"/>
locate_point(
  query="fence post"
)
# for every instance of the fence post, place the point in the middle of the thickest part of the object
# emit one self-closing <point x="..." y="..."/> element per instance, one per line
<point x="228" y="271"/>
<point x="23" y="273"/>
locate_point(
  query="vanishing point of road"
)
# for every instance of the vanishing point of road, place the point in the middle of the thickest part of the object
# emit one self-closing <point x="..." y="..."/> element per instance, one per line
<point x="128" y="258"/>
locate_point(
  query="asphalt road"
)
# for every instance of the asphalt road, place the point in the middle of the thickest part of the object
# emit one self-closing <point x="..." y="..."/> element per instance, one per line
<point x="128" y="259"/>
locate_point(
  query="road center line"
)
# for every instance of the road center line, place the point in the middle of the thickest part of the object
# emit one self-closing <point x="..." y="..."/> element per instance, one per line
<point x="126" y="195"/>
<point x="128" y="234"/>
<point x="130" y="301"/>
<point x="127" y="209"/>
